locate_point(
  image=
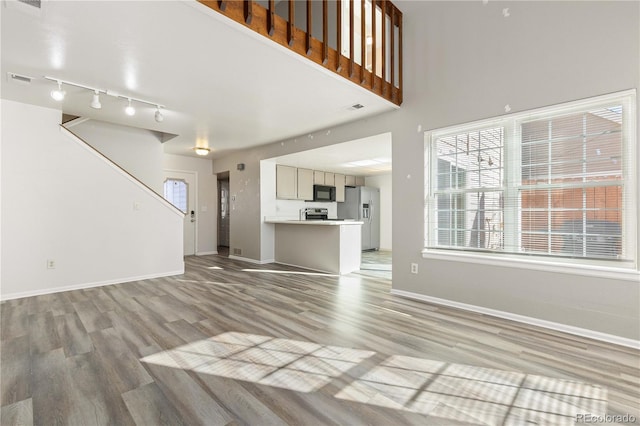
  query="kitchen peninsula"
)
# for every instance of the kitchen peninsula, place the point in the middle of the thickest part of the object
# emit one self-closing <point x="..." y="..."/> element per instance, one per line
<point x="332" y="246"/>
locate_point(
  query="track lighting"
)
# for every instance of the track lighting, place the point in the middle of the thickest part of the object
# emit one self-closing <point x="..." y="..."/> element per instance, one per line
<point x="58" y="94"/>
<point x="158" y="115"/>
<point x="201" y="150"/>
<point x="95" y="103"/>
<point x="130" y="110"/>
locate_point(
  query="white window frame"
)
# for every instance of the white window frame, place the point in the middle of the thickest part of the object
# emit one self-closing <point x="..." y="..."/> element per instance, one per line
<point x="511" y="123"/>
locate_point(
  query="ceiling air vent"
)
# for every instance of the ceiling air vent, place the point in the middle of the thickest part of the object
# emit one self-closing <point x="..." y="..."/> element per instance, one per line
<point x="356" y="106"/>
<point x="17" y="78"/>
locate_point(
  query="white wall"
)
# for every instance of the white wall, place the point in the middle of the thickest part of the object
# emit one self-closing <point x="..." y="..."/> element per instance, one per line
<point x="61" y="201"/>
<point x="464" y="61"/>
<point x="207" y="199"/>
<point x="383" y="182"/>
<point x="138" y="151"/>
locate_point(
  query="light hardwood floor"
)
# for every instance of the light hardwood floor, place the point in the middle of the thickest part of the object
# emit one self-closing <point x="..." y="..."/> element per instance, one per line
<point x="236" y="343"/>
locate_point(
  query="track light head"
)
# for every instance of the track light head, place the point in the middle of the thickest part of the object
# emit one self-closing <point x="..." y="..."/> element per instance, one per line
<point x="58" y="94"/>
<point x="95" y="103"/>
<point x="158" y="115"/>
<point x="130" y="110"/>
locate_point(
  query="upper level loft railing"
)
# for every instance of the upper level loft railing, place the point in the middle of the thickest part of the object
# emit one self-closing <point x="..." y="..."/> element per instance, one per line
<point x="348" y="37"/>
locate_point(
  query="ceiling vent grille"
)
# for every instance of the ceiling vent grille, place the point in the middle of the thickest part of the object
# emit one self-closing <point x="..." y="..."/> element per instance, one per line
<point x="17" y="78"/>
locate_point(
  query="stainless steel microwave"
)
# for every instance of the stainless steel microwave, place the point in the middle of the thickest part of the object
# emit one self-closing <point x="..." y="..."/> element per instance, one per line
<point x="324" y="193"/>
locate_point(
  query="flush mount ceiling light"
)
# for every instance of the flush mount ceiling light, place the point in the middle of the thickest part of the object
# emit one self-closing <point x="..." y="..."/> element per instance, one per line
<point x="158" y="115"/>
<point x="130" y="110"/>
<point x="95" y="103"/>
<point x="58" y="94"/>
<point x="201" y="150"/>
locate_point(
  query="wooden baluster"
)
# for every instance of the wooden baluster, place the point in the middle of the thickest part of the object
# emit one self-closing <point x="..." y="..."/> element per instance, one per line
<point x="393" y="50"/>
<point x="363" y="40"/>
<point x="373" y="44"/>
<point x="248" y="11"/>
<point x="290" y="24"/>
<point x="309" y="19"/>
<point x="384" y="45"/>
<point x="352" y="26"/>
<point x="271" y="18"/>
<point x="399" y="57"/>
<point x="325" y="32"/>
<point x="339" y="36"/>
<point x="222" y="5"/>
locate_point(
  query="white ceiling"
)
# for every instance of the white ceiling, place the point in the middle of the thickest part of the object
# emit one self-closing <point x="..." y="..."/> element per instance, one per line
<point x="367" y="156"/>
<point x="223" y="86"/>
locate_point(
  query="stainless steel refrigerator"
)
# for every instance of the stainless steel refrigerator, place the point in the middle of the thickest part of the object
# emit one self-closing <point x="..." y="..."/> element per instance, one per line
<point x="363" y="203"/>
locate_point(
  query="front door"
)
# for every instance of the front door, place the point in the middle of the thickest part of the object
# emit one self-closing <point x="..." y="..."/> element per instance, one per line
<point x="180" y="190"/>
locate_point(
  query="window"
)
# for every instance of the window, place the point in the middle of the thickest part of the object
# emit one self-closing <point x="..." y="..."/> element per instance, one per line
<point x="555" y="183"/>
<point x="175" y="192"/>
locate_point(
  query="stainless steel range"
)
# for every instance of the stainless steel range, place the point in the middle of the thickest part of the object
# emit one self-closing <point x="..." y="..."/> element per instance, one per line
<point x="316" y="214"/>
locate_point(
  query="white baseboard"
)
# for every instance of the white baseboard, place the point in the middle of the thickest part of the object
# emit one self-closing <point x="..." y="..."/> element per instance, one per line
<point x="246" y="259"/>
<point x="22" y="294"/>
<point x="583" y="332"/>
<point x="205" y="253"/>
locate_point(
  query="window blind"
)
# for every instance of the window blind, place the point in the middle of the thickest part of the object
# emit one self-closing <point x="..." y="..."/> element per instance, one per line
<point x="555" y="182"/>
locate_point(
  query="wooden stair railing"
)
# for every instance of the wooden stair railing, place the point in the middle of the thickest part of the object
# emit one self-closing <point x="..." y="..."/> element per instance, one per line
<point x="376" y="67"/>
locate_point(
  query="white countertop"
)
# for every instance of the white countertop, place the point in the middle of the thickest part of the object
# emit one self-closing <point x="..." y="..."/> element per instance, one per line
<point x="313" y="222"/>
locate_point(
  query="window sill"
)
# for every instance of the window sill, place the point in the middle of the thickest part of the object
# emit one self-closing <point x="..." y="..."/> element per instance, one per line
<point x="626" y="274"/>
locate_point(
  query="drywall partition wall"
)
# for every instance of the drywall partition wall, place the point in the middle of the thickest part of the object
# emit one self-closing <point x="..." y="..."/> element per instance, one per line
<point x="207" y="202"/>
<point x="72" y="220"/>
<point x="244" y="203"/>
<point x="464" y="61"/>
<point x="383" y="182"/>
<point x="268" y="208"/>
<point x="138" y="151"/>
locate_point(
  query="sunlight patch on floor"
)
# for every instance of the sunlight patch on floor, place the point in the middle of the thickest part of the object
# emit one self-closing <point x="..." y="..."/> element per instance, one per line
<point x="284" y="363"/>
<point x="474" y="394"/>
<point x="445" y="390"/>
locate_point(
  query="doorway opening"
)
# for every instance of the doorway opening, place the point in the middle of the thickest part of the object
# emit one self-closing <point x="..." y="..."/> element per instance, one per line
<point x="224" y="214"/>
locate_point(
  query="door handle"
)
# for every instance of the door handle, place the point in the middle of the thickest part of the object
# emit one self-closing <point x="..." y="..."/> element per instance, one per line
<point x="193" y="216"/>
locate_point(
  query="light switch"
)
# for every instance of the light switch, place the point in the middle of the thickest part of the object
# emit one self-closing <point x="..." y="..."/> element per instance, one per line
<point x="203" y="209"/>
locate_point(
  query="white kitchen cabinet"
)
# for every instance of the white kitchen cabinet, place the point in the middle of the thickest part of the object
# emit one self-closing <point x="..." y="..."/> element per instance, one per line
<point x="329" y="179"/>
<point x="359" y="180"/>
<point x="305" y="184"/>
<point x="339" y="181"/>
<point x="318" y="177"/>
<point x="286" y="182"/>
<point x="350" y="180"/>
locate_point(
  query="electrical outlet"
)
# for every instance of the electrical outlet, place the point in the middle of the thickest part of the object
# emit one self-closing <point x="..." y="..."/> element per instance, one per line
<point x="51" y="264"/>
<point x="414" y="268"/>
<point x="237" y="251"/>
